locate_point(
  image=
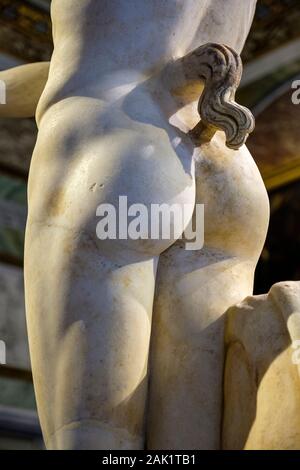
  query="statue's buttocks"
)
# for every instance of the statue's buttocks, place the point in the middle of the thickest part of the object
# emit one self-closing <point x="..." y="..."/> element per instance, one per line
<point x="99" y="152"/>
<point x="230" y="186"/>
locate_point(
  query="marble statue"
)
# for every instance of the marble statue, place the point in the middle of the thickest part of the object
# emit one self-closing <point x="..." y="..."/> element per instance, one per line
<point x="261" y="385"/>
<point x="127" y="336"/>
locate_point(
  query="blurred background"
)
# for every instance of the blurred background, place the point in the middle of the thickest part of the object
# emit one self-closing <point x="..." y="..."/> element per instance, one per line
<point x="271" y="63"/>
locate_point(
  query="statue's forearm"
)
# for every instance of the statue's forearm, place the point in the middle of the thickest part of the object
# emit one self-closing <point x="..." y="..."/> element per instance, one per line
<point x="23" y="87"/>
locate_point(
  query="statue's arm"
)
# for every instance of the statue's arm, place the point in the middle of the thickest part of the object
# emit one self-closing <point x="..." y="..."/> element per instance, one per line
<point x="23" y="87"/>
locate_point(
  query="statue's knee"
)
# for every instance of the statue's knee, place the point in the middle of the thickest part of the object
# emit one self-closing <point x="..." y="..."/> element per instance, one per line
<point x="92" y="435"/>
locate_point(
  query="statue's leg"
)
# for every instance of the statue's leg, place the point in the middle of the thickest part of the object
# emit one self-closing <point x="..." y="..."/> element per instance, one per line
<point x="89" y="319"/>
<point x="186" y="359"/>
<point x="194" y="290"/>
<point x="187" y="348"/>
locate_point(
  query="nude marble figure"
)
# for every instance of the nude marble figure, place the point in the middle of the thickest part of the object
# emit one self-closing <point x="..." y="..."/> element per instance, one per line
<point x="126" y="337"/>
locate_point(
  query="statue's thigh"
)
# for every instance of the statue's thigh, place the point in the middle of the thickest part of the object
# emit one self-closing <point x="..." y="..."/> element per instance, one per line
<point x="186" y="356"/>
<point x="89" y="321"/>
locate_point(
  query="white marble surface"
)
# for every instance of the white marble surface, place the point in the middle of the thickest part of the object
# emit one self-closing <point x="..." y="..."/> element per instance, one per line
<point x="89" y="303"/>
<point x="261" y="392"/>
